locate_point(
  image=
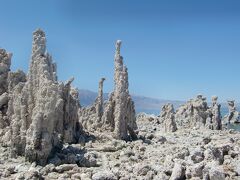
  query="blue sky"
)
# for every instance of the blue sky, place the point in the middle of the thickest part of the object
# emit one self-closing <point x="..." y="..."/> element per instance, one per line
<point x="173" y="49"/>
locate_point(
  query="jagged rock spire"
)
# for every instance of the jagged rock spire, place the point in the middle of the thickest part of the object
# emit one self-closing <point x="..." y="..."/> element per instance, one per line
<point x="41" y="65"/>
<point x="99" y="101"/>
<point x="39" y="43"/>
<point x="168" y="117"/>
<point x="43" y="112"/>
<point x="193" y="114"/>
<point x="91" y="116"/>
<point x="5" y="63"/>
<point x="233" y="114"/>
<point x="119" y="111"/>
<point x="118" y="63"/>
<point x="118" y="47"/>
<point x="216" y="114"/>
<point x="120" y="78"/>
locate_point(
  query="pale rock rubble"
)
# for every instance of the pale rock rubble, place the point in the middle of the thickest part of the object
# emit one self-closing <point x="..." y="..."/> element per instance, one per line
<point x="233" y="115"/>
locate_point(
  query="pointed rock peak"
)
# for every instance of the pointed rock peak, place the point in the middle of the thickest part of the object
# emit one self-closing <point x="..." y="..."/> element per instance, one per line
<point x="102" y="79"/>
<point x="39" y="42"/>
<point x="39" y="31"/>
<point x="118" y="46"/>
<point x="214" y="98"/>
<point x="231" y="101"/>
<point x="69" y="82"/>
<point x="5" y="57"/>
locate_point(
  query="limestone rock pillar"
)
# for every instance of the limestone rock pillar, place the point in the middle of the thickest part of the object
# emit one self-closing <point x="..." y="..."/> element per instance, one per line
<point x="168" y="118"/>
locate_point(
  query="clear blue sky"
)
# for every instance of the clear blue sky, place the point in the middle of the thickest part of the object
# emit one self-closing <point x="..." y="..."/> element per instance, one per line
<point x="174" y="49"/>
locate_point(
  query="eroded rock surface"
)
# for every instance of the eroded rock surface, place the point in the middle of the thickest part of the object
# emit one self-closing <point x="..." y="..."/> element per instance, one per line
<point x="119" y="113"/>
<point x="117" y="116"/>
<point x="214" y="120"/>
<point x="233" y="115"/>
<point x="42" y="113"/>
<point x="5" y="63"/>
<point x="193" y="114"/>
<point x="168" y="117"/>
<point x="91" y="117"/>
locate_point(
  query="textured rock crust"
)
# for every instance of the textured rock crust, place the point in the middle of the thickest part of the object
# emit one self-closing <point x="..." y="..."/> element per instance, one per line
<point x="214" y="120"/>
<point x="196" y="114"/>
<point x="5" y="63"/>
<point x="42" y="113"/>
<point x="233" y="115"/>
<point x="167" y="116"/>
<point x="91" y="117"/>
<point x="117" y="116"/>
<point x="38" y="114"/>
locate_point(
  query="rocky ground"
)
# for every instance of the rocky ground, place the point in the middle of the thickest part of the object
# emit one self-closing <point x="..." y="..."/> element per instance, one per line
<point x="184" y="154"/>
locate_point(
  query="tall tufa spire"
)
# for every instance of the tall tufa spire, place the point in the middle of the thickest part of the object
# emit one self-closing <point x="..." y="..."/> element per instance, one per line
<point x="99" y="103"/>
<point x="39" y="43"/>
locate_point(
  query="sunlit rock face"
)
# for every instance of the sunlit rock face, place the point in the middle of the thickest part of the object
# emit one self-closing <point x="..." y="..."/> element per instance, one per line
<point x="167" y="116"/>
<point x="119" y="112"/>
<point x="5" y="63"/>
<point x="197" y="114"/>
<point x="90" y="117"/>
<point x="233" y="115"/>
<point x="42" y="112"/>
<point x="214" y="121"/>
<point x="193" y="114"/>
<point x="8" y="81"/>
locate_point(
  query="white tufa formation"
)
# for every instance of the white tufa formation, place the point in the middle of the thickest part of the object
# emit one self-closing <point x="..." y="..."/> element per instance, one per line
<point x="233" y="115"/>
<point x="90" y="117"/>
<point x="42" y="113"/>
<point x="119" y="113"/>
<point x="5" y="63"/>
<point x="193" y="114"/>
<point x="168" y="118"/>
<point x="214" y="121"/>
<point x="99" y="100"/>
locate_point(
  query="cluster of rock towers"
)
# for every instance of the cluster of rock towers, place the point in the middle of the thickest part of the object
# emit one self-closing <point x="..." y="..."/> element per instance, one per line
<point x="117" y="115"/>
<point x="38" y="114"/>
<point x="197" y="114"/>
